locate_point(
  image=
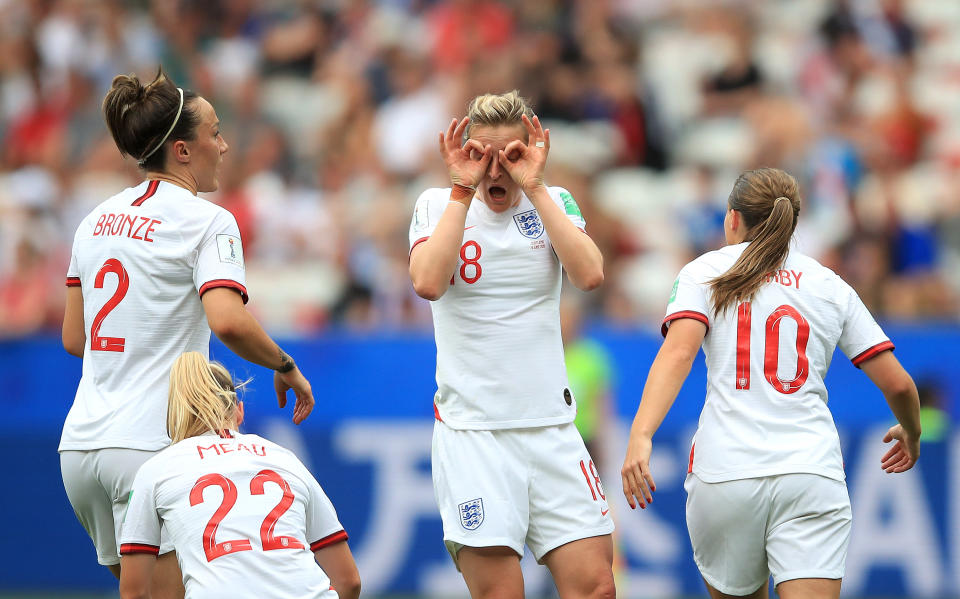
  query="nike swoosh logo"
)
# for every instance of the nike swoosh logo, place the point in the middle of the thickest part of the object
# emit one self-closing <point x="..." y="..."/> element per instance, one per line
<point x="470" y="227"/>
<point x="604" y="512"/>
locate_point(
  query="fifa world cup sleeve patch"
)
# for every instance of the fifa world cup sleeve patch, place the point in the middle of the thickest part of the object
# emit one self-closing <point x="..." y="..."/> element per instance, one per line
<point x="673" y="294"/>
<point x="421" y="216"/>
<point x="230" y="249"/>
<point x="570" y="205"/>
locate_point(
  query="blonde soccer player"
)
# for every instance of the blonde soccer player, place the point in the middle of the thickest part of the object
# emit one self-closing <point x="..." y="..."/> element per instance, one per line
<point x="245" y="516"/>
<point x="509" y="467"/>
<point x="765" y="484"/>
<point x="153" y="270"/>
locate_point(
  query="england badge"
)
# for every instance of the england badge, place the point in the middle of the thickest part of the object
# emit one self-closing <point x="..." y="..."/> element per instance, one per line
<point x="471" y="513"/>
<point x="529" y="224"/>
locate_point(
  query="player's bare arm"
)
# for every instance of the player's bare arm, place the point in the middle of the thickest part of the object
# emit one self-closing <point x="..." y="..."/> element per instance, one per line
<point x="239" y="330"/>
<point x="74" y="334"/>
<point x="136" y="569"/>
<point x="337" y="561"/>
<point x="901" y="394"/>
<point x="578" y="254"/>
<point x="667" y="374"/>
<point x="432" y="262"/>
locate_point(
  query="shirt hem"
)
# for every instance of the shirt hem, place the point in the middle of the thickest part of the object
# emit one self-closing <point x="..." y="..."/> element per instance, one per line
<point x="505" y="424"/>
<point x="720" y="477"/>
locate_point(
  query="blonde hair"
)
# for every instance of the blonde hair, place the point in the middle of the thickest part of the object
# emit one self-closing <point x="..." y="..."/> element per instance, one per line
<point x="497" y="109"/>
<point x="768" y="200"/>
<point x="203" y="397"/>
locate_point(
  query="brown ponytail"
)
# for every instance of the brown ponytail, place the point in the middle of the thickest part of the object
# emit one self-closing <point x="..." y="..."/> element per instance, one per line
<point x="202" y="397"/>
<point x="768" y="200"/>
<point x="138" y="116"/>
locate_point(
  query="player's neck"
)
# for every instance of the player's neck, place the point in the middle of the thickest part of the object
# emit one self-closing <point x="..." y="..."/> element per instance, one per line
<point x="180" y="180"/>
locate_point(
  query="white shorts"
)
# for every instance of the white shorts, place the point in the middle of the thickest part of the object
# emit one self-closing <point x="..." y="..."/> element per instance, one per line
<point x="98" y="485"/>
<point x="509" y="487"/>
<point x="790" y="525"/>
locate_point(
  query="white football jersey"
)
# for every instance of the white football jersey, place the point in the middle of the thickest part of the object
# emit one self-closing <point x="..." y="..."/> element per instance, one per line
<point x="243" y="513"/>
<point x="766" y="404"/>
<point x="499" y="352"/>
<point x="143" y="258"/>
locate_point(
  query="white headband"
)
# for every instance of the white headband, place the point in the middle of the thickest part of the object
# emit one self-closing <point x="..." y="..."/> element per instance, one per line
<point x="143" y="158"/>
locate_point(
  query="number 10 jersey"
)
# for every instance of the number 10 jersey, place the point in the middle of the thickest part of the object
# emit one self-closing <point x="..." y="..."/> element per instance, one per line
<point x="766" y="403"/>
<point x="142" y="259"/>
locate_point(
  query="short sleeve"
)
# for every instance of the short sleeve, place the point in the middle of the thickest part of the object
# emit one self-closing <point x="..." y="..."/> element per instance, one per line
<point x="429" y="208"/>
<point x="220" y="257"/>
<point x="565" y="200"/>
<point x="688" y="299"/>
<point x="140" y="531"/>
<point x="323" y="527"/>
<point x="861" y="337"/>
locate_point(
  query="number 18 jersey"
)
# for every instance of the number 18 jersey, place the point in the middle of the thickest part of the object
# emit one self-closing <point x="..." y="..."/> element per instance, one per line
<point x="243" y="513"/>
<point x="766" y="404"/>
<point x="142" y="259"/>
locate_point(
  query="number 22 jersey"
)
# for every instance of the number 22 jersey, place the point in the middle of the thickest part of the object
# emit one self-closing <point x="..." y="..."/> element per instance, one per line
<point x="143" y="259"/>
<point x="244" y="515"/>
<point x="766" y="404"/>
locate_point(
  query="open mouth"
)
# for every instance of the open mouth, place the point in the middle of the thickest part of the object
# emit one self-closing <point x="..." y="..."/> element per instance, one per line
<point x="496" y="192"/>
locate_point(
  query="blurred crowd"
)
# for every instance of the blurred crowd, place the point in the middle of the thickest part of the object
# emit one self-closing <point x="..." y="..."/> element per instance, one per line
<point x="332" y="108"/>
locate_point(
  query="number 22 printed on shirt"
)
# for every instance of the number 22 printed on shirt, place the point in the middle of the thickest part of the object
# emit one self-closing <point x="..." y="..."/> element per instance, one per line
<point x="211" y="548"/>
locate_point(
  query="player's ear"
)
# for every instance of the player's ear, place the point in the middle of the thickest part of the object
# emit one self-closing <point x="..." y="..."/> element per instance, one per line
<point x="239" y="414"/>
<point x="181" y="152"/>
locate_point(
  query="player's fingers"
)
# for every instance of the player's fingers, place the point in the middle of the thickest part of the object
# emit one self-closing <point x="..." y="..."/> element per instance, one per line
<point x="546" y="139"/>
<point x="895" y="464"/>
<point x="474" y="148"/>
<point x="537" y="127"/>
<point x="458" y="131"/>
<point x="531" y="129"/>
<point x="650" y="486"/>
<point x="514" y="149"/>
<point x="890" y="453"/>
<point x="281" y="388"/>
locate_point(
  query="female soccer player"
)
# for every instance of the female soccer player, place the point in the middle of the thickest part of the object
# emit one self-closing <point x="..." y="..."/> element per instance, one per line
<point x="509" y="467"/>
<point x="246" y="517"/>
<point x="153" y="270"/>
<point x="765" y="485"/>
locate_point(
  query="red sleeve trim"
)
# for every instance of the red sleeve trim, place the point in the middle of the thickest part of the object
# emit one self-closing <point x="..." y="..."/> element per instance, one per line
<point x="436" y="413"/>
<point x="73" y="281"/>
<point x="225" y="283"/>
<point x="416" y="243"/>
<point x="127" y="548"/>
<point x="690" y="463"/>
<point x="683" y="314"/>
<point x="873" y="351"/>
<point x="151" y="189"/>
<point x="328" y="540"/>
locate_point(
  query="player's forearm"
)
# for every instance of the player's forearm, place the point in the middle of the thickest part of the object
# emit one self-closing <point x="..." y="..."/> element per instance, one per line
<point x="905" y="405"/>
<point x="247" y="339"/>
<point x="578" y="254"/>
<point x="667" y="374"/>
<point x="433" y="261"/>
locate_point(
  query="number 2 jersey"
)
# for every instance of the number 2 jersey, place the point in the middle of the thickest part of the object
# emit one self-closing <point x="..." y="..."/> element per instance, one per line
<point x="499" y="353"/>
<point x="766" y="404"/>
<point x="142" y="259"/>
<point x="243" y="513"/>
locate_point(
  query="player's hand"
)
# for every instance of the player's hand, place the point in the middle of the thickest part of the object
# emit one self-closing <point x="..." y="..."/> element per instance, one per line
<point x="904" y="453"/>
<point x="525" y="161"/>
<point x="301" y="388"/>
<point x="638" y="485"/>
<point x="466" y="163"/>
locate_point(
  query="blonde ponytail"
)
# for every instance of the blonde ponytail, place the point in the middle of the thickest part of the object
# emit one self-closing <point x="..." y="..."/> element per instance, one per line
<point x="202" y="397"/>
